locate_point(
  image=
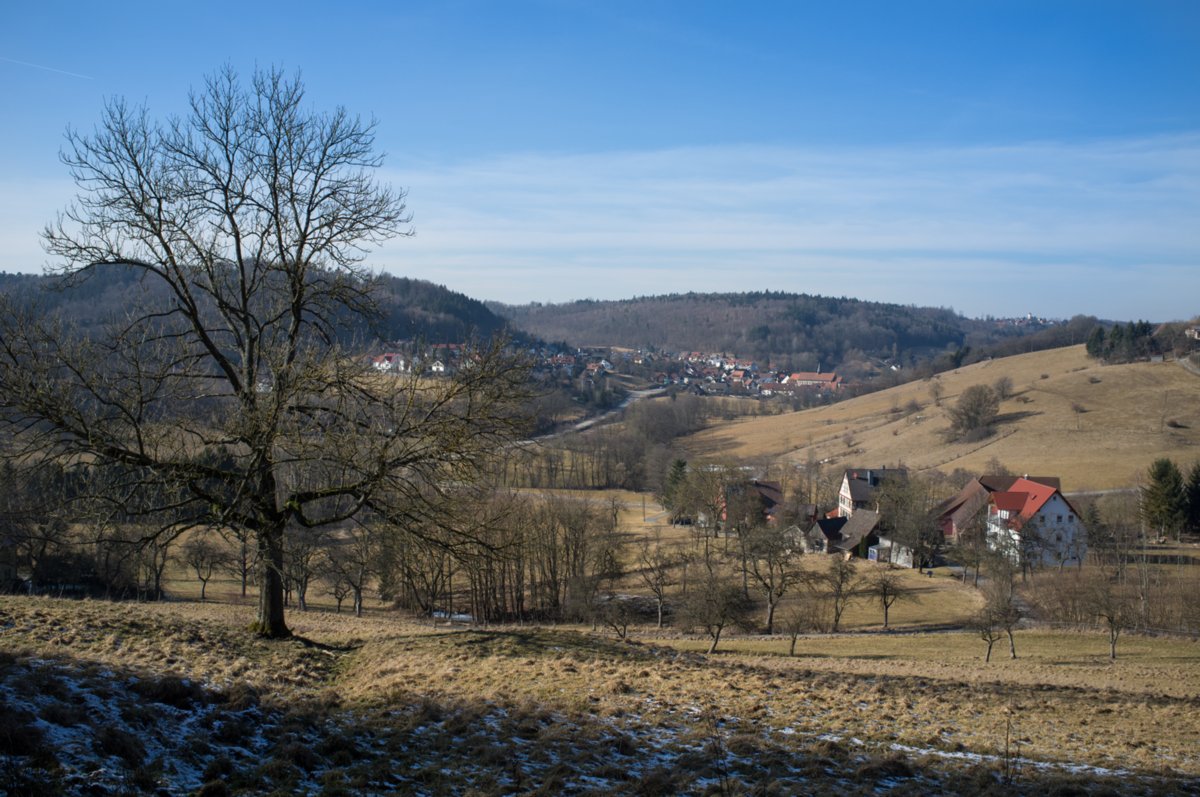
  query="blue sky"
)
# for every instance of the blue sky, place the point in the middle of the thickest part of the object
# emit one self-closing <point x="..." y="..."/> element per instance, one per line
<point x="994" y="157"/>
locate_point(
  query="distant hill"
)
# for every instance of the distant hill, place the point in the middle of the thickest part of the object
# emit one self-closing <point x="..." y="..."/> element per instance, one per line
<point x="409" y="309"/>
<point x="795" y="331"/>
<point x="1097" y="426"/>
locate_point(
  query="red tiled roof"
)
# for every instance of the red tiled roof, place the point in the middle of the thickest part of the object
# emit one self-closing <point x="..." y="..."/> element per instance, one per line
<point x="1026" y="497"/>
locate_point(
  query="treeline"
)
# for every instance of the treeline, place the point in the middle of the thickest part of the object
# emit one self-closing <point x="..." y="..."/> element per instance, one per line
<point x="1135" y="341"/>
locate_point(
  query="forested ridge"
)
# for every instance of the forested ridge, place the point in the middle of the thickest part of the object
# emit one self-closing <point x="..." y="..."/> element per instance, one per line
<point x="799" y="331"/>
<point x="408" y="309"/>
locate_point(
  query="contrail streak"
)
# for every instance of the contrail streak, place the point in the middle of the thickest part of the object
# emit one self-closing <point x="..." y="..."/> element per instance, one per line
<point x="47" y="68"/>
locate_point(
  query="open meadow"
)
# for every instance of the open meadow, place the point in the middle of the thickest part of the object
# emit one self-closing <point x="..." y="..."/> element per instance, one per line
<point x="176" y="695"/>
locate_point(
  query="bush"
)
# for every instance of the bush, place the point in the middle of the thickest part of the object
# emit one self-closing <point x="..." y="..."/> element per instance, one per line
<point x="119" y="742"/>
<point x="974" y="413"/>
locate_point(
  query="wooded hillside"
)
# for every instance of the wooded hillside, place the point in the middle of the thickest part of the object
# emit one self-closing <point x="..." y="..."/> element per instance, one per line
<point x="408" y="309"/>
<point x="794" y="331"/>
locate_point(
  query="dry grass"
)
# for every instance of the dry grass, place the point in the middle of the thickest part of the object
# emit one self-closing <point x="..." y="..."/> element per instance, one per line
<point x="1129" y="408"/>
<point x="411" y="708"/>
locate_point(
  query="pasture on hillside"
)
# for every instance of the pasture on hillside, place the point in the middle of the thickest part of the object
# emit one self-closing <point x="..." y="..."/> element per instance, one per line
<point x="1097" y="427"/>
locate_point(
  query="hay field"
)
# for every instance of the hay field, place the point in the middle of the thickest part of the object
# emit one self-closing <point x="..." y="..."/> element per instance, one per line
<point x="1131" y="415"/>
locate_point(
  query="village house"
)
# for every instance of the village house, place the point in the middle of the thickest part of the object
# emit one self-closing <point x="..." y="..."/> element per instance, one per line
<point x="970" y="504"/>
<point x="859" y="486"/>
<point x="1034" y="524"/>
<point x="819" y="381"/>
<point x="389" y="362"/>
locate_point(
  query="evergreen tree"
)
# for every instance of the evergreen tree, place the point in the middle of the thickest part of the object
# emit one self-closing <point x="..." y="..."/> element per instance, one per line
<point x="1095" y="343"/>
<point x="674" y="482"/>
<point x="1192" y="498"/>
<point x="1163" y="504"/>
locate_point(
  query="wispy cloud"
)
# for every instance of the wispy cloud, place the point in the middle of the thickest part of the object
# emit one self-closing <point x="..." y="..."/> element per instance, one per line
<point x="1043" y="227"/>
<point x="1108" y="228"/>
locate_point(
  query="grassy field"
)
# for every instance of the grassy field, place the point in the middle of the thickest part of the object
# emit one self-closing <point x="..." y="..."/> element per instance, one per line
<point x="1142" y="410"/>
<point x="179" y="693"/>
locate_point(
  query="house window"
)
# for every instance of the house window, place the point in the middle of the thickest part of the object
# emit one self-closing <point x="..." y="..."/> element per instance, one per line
<point x="1059" y="519"/>
<point x="1070" y="518"/>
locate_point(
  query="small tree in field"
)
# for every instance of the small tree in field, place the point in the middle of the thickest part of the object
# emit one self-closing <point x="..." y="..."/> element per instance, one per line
<point x="1003" y="608"/>
<point x="205" y="555"/>
<point x="836" y="587"/>
<point x="656" y="566"/>
<point x="986" y="624"/>
<point x="972" y="416"/>
<point x="1114" y="605"/>
<point x="771" y="564"/>
<point x="887" y="587"/>
<point x="713" y="602"/>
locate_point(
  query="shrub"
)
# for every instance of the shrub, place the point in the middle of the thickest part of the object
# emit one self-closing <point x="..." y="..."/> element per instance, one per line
<point x="119" y="742"/>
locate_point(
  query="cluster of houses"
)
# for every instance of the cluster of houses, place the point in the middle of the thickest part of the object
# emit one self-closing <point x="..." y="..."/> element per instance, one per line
<point x="439" y="359"/>
<point x="1027" y="518"/>
<point x="725" y="373"/>
<point x="699" y="372"/>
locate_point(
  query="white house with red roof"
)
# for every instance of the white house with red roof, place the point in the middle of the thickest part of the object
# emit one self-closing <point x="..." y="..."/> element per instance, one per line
<point x="813" y="379"/>
<point x="1036" y="525"/>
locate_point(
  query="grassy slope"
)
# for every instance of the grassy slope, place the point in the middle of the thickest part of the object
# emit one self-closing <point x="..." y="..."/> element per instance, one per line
<point x="413" y="709"/>
<point x="1110" y="445"/>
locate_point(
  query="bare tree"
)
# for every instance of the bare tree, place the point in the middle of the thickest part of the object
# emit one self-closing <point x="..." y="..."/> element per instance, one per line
<point x="838" y="585"/>
<point x="987" y="625"/>
<point x="807" y="612"/>
<point x="770" y="561"/>
<point x="205" y="556"/>
<point x="887" y="587"/>
<point x="656" y="565"/>
<point x="1002" y="604"/>
<point x="908" y="509"/>
<point x="936" y="391"/>
<point x="714" y="601"/>
<point x="225" y="399"/>
<point x="1114" y="605"/>
<point x="303" y="548"/>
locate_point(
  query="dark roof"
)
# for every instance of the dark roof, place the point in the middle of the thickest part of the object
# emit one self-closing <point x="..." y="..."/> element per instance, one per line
<point x="771" y="492"/>
<point x="1002" y="484"/>
<point x="831" y="528"/>
<point x="864" y="481"/>
<point x="858" y="526"/>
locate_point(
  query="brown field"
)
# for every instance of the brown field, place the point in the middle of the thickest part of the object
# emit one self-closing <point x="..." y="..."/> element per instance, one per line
<point x="1127" y="423"/>
<point x="457" y="709"/>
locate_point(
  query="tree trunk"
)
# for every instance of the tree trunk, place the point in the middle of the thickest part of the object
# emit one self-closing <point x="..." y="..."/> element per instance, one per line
<point x="1012" y="644"/>
<point x="988" y="657"/>
<point x="270" y="589"/>
<point x="716" y="637"/>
